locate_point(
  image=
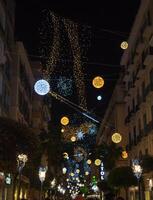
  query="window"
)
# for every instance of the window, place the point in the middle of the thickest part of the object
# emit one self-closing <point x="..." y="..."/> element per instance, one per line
<point x="133" y="104"/>
<point x="139" y="127"/>
<point x="2" y="18"/>
<point x="143" y="90"/>
<point x="134" y="135"/>
<point x="145" y="123"/>
<point x="146" y="151"/>
<point x="151" y="78"/>
<point x="130" y="139"/>
<point x="138" y="96"/>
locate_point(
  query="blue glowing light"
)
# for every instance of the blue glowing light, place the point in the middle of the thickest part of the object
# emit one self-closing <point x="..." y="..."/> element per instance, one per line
<point x="64" y="86"/>
<point x="80" y="135"/>
<point x="99" y="97"/>
<point x="42" y="87"/>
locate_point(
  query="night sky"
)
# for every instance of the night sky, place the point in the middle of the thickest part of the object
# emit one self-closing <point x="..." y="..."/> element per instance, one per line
<point x="110" y="23"/>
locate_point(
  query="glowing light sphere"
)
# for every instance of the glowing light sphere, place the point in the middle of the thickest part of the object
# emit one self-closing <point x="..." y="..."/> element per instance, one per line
<point x="72" y="174"/>
<point x="124" y="45"/>
<point x="64" y="170"/>
<point x="86" y="173"/>
<point x="62" y="130"/>
<point x="124" y="154"/>
<point x="42" y="87"/>
<point x="97" y="162"/>
<point x="65" y="155"/>
<point x="64" y="120"/>
<point x="89" y="162"/>
<point x="73" y="138"/>
<point x="77" y="171"/>
<point x="99" y="97"/>
<point x="116" y="138"/>
<point x="98" y="82"/>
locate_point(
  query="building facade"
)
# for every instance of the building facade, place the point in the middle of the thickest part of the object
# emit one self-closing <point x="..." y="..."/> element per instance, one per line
<point x="7" y="23"/>
<point x="136" y="109"/>
<point x="138" y="81"/>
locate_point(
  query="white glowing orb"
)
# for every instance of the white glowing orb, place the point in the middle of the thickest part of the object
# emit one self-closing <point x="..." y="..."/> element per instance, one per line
<point x="42" y="87"/>
<point x="64" y="170"/>
<point x="99" y="97"/>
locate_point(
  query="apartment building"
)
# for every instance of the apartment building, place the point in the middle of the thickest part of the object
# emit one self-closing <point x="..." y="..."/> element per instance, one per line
<point x="138" y="80"/>
<point x="135" y="109"/>
<point x="7" y="21"/>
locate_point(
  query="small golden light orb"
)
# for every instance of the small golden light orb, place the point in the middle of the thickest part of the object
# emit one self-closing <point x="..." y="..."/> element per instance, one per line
<point x="116" y="138"/>
<point x="64" y="121"/>
<point x="97" y="162"/>
<point x="124" y="154"/>
<point x="89" y="162"/>
<point x="98" y="82"/>
<point x="73" y="138"/>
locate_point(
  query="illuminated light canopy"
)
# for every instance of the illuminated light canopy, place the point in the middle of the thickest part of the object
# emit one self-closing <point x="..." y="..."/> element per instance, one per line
<point x="99" y="97"/>
<point x="124" y="45"/>
<point x="42" y="87"/>
<point x="98" y="82"/>
<point x="64" y="120"/>
<point x="97" y="162"/>
<point x="124" y="154"/>
<point x="73" y="138"/>
<point x="116" y="138"/>
<point x="89" y="162"/>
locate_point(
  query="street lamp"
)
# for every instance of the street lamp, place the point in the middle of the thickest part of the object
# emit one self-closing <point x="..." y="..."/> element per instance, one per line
<point x="21" y="161"/>
<point x="42" y="176"/>
<point x="137" y="170"/>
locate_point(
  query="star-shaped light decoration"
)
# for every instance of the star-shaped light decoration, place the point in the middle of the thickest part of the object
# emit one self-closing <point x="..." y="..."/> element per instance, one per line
<point x="80" y="135"/>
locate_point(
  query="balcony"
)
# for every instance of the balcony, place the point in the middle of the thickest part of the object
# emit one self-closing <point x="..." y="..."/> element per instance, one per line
<point x="140" y="47"/>
<point x="141" y="70"/>
<point x="151" y="41"/>
<point x="137" y="108"/>
<point x="149" y="58"/>
<point x="148" y="31"/>
<point x="127" y="119"/>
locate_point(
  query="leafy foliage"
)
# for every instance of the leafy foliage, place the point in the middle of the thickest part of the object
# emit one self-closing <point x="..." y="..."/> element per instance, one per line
<point x="122" y="177"/>
<point x="147" y="163"/>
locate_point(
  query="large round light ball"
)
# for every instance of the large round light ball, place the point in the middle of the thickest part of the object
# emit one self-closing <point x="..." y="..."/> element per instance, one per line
<point x="64" y="120"/>
<point x="124" y="45"/>
<point x="116" y="138"/>
<point x="97" y="162"/>
<point x="98" y="82"/>
<point x="89" y="162"/>
<point x="73" y="138"/>
<point x="42" y="87"/>
<point x="99" y="97"/>
<point x="124" y="154"/>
